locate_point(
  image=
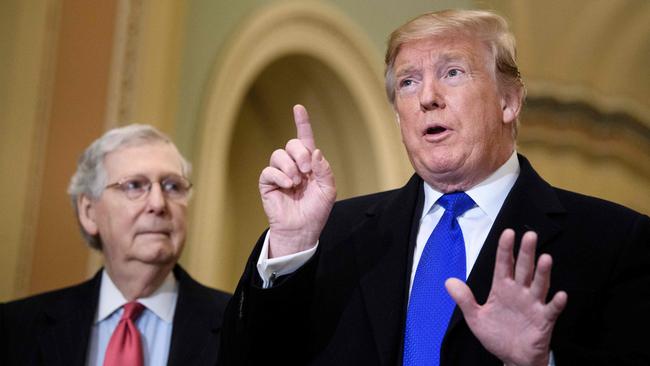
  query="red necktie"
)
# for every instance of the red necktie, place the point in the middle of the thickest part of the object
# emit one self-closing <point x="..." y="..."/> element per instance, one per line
<point x="125" y="348"/>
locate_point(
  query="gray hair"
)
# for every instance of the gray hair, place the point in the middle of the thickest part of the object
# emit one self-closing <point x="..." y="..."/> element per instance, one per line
<point x="485" y="25"/>
<point x="90" y="179"/>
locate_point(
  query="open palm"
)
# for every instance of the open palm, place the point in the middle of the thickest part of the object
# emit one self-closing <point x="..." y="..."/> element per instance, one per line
<point x="515" y="323"/>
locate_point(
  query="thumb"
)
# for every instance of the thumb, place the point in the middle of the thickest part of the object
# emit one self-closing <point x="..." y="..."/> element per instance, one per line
<point x="322" y="171"/>
<point x="462" y="296"/>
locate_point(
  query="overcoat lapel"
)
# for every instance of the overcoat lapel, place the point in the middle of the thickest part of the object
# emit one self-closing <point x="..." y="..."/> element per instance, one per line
<point x="196" y="325"/>
<point x="530" y="205"/>
<point x="382" y="245"/>
<point x="67" y="324"/>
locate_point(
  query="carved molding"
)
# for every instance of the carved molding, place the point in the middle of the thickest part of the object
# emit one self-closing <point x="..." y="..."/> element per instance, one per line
<point x="123" y="74"/>
<point x="581" y="127"/>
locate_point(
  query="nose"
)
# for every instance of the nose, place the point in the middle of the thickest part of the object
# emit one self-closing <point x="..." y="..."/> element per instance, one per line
<point x="430" y="96"/>
<point x="156" y="200"/>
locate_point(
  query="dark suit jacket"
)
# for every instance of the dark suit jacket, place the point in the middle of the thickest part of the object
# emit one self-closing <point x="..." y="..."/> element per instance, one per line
<point x="54" y="328"/>
<point x="347" y="305"/>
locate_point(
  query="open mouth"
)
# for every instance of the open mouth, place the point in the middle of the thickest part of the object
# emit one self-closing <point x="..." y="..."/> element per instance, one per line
<point x="434" y="130"/>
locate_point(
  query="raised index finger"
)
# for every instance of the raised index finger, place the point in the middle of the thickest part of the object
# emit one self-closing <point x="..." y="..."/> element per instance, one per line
<point x="303" y="127"/>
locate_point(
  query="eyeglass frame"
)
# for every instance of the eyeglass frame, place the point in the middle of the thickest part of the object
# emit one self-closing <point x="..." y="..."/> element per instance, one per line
<point x="119" y="185"/>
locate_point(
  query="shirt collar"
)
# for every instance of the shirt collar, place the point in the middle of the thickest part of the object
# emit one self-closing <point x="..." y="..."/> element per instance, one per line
<point x="489" y="194"/>
<point x="161" y="302"/>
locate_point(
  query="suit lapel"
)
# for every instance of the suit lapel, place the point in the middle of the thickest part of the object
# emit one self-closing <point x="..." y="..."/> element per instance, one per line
<point x="382" y="246"/>
<point x="383" y="250"/>
<point x="196" y="325"/>
<point x="67" y="324"/>
<point x="529" y="206"/>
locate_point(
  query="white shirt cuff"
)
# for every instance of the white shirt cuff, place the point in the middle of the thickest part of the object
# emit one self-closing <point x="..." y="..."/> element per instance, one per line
<point x="270" y="269"/>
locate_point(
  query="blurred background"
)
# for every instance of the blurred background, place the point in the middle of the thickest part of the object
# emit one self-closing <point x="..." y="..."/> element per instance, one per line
<point x="220" y="77"/>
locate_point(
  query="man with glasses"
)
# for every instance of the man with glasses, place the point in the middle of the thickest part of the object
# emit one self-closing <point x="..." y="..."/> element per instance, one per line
<point x="130" y="193"/>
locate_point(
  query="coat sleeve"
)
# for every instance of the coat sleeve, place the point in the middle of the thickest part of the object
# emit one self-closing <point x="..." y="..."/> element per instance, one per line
<point x="622" y="320"/>
<point x="268" y="326"/>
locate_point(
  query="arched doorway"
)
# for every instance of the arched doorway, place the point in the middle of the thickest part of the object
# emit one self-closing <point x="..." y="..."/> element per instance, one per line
<point x="287" y="53"/>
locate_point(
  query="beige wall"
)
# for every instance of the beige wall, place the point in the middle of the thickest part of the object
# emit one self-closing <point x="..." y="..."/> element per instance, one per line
<point x="23" y="78"/>
<point x="76" y="115"/>
<point x="69" y="69"/>
<point x="61" y="55"/>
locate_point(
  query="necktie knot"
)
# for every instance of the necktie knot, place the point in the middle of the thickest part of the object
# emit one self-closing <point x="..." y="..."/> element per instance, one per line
<point x="456" y="203"/>
<point x="132" y="310"/>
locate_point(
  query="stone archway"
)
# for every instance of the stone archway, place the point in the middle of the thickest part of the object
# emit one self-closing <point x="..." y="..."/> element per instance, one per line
<point x="290" y="52"/>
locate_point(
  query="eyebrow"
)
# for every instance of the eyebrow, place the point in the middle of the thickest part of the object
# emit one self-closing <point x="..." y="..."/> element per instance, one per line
<point x="405" y="71"/>
<point x="443" y="59"/>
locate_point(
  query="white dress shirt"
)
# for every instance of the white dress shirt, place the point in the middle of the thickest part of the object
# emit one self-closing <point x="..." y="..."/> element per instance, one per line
<point x="476" y="222"/>
<point x="154" y="324"/>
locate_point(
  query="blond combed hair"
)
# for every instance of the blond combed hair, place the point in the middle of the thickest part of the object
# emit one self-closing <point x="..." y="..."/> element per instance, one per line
<point x="484" y="25"/>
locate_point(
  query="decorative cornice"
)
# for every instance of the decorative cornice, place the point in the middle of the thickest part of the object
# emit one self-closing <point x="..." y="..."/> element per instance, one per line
<point x="581" y="127"/>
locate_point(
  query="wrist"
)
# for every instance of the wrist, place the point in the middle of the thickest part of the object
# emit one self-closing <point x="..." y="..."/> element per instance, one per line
<point x="287" y="243"/>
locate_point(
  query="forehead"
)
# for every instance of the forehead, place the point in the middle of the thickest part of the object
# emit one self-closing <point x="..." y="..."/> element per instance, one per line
<point x="147" y="158"/>
<point x="438" y="49"/>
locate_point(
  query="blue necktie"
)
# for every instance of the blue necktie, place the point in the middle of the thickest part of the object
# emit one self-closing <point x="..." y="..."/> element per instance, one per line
<point x="430" y="306"/>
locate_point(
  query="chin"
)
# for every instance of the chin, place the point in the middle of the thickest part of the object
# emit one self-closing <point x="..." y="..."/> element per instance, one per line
<point x="159" y="253"/>
<point x="440" y="168"/>
<point x="445" y="178"/>
<point x="159" y="260"/>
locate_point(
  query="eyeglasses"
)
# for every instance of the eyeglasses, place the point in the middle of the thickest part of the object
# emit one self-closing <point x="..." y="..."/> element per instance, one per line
<point x="173" y="187"/>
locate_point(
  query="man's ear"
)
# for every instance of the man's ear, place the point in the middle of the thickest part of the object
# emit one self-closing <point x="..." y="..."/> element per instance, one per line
<point x="511" y="101"/>
<point x="87" y="214"/>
